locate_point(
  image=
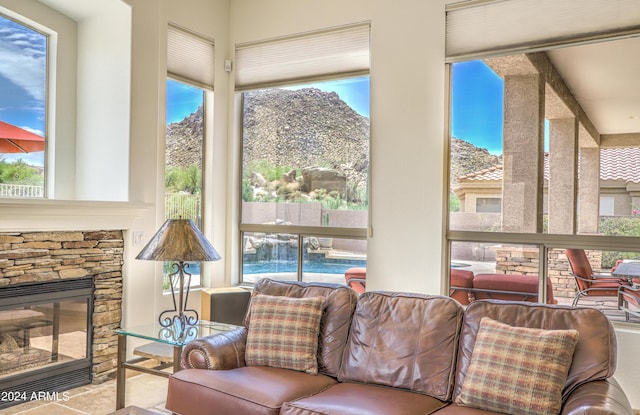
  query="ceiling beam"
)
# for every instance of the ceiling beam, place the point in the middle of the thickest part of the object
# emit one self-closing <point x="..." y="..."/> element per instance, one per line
<point x="543" y="64"/>
<point x="620" y="140"/>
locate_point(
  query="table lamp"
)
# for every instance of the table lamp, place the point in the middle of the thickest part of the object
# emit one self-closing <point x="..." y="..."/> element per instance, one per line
<point x="180" y="241"/>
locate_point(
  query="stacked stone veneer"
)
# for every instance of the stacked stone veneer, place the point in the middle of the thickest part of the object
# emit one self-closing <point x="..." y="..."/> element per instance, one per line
<point x="47" y="256"/>
<point x="516" y="260"/>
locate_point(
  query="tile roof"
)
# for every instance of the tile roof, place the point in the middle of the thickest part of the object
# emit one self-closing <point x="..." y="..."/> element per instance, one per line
<point x="620" y="164"/>
<point x="492" y="173"/>
<point x="615" y="164"/>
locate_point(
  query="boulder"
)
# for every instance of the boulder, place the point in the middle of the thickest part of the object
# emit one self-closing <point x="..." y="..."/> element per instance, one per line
<point x="323" y="178"/>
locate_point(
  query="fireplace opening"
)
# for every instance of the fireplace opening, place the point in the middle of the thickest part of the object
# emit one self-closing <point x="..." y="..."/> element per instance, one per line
<point x="45" y="338"/>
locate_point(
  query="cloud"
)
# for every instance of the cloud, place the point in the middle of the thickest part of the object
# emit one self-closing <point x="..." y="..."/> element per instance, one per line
<point x="33" y="130"/>
<point x="23" y="58"/>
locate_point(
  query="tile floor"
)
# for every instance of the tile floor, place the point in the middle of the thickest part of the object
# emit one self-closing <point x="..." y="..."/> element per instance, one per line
<point x="143" y="390"/>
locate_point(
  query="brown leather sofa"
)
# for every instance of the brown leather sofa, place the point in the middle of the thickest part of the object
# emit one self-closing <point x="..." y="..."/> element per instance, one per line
<point x="395" y="353"/>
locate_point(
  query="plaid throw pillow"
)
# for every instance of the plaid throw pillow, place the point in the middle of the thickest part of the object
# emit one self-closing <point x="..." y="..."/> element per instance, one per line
<point x="518" y="370"/>
<point x="283" y="332"/>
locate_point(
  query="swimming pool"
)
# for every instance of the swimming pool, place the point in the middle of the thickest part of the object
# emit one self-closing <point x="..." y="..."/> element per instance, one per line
<point x="284" y="266"/>
<point x="324" y="267"/>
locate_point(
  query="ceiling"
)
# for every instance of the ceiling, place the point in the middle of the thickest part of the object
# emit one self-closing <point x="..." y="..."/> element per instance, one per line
<point x="605" y="79"/>
<point x="80" y="10"/>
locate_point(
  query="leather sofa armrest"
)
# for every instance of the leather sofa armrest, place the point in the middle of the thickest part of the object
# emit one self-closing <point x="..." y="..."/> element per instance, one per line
<point x="217" y="352"/>
<point x="601" y="397"/>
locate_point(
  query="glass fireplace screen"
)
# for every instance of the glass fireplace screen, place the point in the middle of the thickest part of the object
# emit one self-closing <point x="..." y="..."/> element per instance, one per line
<point x="43" y="334"/>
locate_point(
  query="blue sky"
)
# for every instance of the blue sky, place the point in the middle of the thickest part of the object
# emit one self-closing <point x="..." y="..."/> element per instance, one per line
<point x="477" y="101"/>
<point x="183" y="100"/>
<point x="353" y="91"/>
<point x="22" y="82"/>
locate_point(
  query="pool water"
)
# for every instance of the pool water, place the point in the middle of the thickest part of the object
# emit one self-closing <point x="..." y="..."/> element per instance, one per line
<point x="327" y="267"/>
<point x="269" y="267"/>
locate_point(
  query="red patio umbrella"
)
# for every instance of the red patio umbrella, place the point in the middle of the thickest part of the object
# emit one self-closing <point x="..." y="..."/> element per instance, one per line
<point x="17" y="140"/>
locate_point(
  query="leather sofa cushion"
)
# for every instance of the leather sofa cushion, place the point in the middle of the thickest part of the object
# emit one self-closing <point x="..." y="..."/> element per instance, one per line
<point x="403" y="340"/>
<point x="340" y="302"/>
<point x="353" y="398"/>
<point x="595" y="354"/>
<point x="255" y="390"/>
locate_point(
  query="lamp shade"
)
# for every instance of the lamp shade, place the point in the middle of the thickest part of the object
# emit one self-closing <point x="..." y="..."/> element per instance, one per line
<point x="179" y="240"/>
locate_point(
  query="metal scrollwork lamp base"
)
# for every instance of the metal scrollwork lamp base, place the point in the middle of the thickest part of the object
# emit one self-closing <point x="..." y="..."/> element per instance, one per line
<point x="179" y="240"/>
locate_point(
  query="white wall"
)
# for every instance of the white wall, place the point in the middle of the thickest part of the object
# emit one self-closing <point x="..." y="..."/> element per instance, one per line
<point x="104" y="71"/>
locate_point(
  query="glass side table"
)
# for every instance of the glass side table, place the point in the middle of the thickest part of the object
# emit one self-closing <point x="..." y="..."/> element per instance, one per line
<point x="166" y="347"/>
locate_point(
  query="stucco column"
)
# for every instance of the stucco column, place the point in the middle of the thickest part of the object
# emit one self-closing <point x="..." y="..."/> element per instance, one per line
<point x="589" y="190"/>
<point x="563" y="172"/>
<point x="523" y="139"/>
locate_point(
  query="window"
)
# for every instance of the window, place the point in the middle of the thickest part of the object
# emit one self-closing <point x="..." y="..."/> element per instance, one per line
<point x="184" y="152"/>
<point x="189" y="90"/>
<point x="23" y="114"/>
<point x="606" y="206"/>
<point x="305" y="155"/>
<point x="63" y="73"/>
<point x="526" y="130"/>
<point x="488" y="205"/>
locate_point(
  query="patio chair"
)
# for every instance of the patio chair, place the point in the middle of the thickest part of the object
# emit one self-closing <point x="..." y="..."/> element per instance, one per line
<point x="590" y="284"/>
<point x="461" y="284"/>
<point x="356" y="278"/>
<point x="629" y="301"/>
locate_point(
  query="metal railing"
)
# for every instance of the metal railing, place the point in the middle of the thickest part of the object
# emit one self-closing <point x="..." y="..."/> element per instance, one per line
<point x="184" y="205"/>
<point x="21" y="190"/>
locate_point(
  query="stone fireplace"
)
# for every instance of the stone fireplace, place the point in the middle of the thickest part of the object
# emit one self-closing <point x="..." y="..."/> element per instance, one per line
<point x="32" y="259"/>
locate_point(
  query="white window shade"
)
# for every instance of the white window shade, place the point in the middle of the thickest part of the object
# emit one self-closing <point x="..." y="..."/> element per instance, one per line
<point x="510" y="25"/>
<point x="341" y="51"/>
<point x="190" y="58"/>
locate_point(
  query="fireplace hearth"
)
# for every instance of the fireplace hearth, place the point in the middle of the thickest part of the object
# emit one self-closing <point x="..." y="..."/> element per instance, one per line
<point x="60" y="302"/>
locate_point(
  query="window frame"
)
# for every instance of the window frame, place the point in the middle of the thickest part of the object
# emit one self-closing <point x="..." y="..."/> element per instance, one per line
<point x="296" y="49"/>
<point x="187" y="53"/>
<point x="50" y="47"/>
<point x="544" y="241"/>
<point x="299" y="231"/>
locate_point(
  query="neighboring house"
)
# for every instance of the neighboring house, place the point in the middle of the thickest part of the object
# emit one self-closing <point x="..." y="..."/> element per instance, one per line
<point x="481" y="191"/>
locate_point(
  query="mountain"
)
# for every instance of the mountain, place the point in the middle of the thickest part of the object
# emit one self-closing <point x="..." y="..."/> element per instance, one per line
<point x="467" y="158"/>
<point x="307" y="128"/>
<point x="184" y="141"/>
<point x="293" y="128"/>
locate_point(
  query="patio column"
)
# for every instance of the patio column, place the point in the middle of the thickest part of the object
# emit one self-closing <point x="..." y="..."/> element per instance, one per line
<point x="589" y="190"/>
<point x="563" y="173"/>
<point x="523" y="139"/>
